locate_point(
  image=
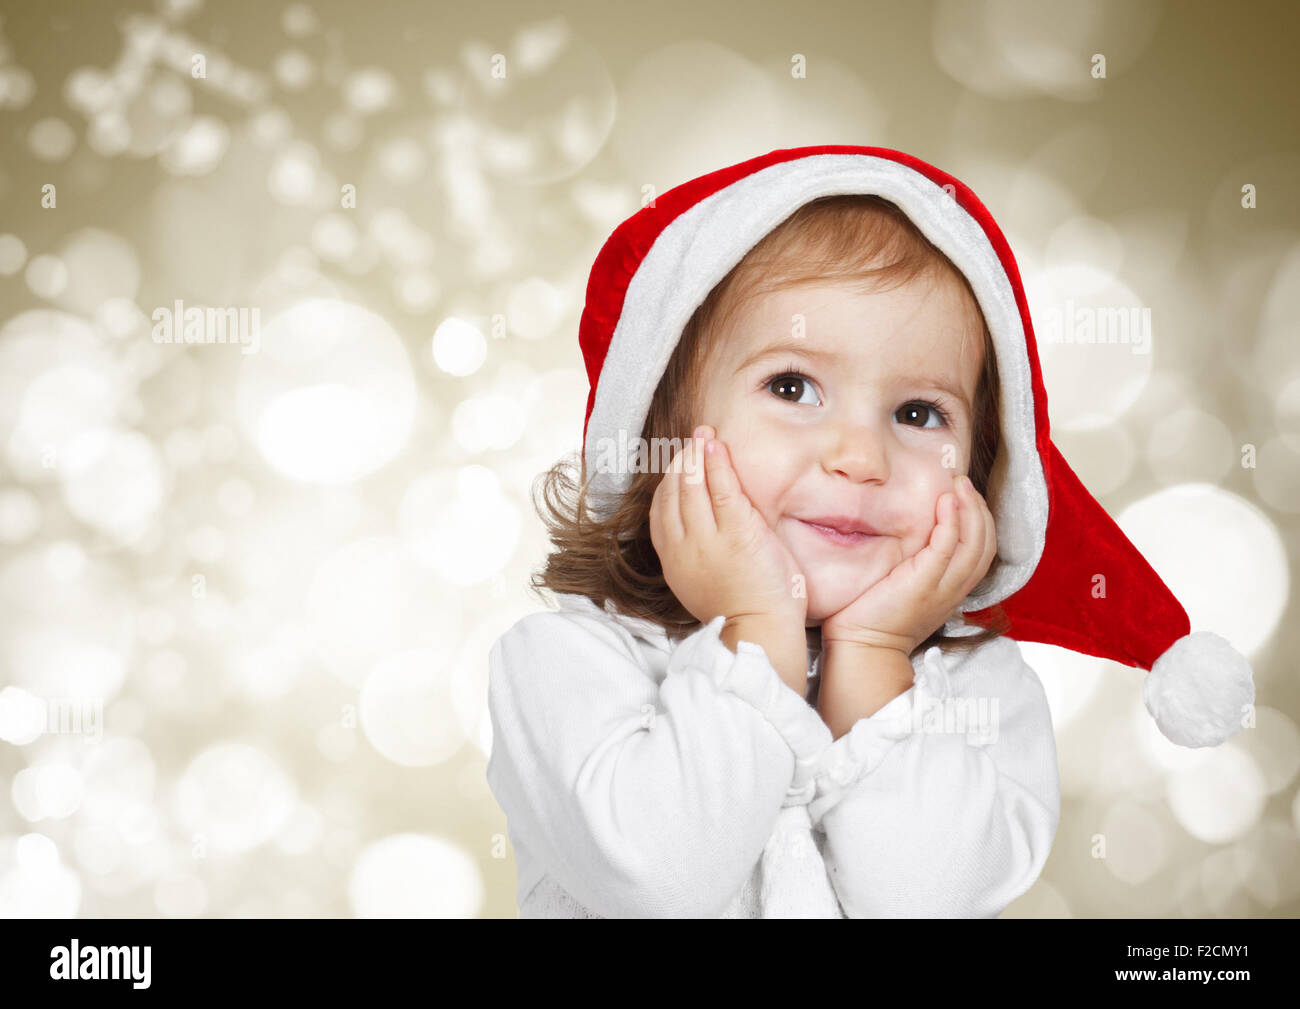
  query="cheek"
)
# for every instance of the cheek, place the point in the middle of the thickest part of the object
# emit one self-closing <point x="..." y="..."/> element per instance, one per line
<point x="758" y="470"/>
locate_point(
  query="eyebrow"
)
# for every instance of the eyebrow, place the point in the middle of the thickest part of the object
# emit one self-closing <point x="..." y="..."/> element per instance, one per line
<point x="800" y="348"/>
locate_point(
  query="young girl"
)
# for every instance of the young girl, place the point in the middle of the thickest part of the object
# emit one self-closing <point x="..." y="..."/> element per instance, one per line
<point x="759" y="696"/>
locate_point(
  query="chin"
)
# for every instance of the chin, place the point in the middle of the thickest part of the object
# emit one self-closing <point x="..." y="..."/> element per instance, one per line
<point x="829" y="591"/>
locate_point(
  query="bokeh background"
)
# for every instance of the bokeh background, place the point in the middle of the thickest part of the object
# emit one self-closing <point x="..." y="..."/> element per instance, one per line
<point x="247" y="592"/>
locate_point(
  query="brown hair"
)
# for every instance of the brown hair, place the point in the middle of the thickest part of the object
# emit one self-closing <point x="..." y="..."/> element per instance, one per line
<point x="834" y="238"/>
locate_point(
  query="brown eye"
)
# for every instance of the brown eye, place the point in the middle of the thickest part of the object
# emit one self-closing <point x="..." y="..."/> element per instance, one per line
<point x="921" y="415"/>
<point x="792" y="388"/>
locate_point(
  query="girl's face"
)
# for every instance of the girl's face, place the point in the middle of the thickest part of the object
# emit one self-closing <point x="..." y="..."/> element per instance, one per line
<point x="836" y="403"/>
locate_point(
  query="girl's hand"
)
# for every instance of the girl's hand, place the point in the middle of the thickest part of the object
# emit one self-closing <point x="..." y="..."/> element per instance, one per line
<point x="719" y="555"/>
<point x="918" y="596"/>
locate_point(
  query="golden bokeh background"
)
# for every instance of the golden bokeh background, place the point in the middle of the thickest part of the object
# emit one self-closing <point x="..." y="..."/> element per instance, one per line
<point x="249" y="580"/>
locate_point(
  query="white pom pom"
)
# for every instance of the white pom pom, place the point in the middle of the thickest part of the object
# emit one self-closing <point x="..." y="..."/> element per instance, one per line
<point x="1198" y="690"/>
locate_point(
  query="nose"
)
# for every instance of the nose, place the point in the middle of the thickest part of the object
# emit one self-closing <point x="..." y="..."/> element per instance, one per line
<point x="857" y="452"/>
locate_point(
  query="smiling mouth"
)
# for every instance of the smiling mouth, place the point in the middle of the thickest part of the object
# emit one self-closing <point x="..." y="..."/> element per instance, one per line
<point x="838" y="538"/>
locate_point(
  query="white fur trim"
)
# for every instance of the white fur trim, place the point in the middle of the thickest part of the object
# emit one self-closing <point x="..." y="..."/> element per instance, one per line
<point x="702" y="245"/>
<point x="1198" y="690"/>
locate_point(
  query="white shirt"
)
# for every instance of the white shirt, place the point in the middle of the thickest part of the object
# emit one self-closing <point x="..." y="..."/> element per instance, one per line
<point x="643" y="776"/>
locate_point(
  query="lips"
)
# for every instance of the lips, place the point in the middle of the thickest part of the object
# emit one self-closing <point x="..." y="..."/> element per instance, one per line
<point x="846" y="535"/>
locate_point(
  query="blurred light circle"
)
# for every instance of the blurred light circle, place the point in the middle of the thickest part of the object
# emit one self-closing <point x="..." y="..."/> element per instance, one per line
<point x="46" y="276"/>
<point x="236" y="497"/>
<point x="120" y="317"/>
<point x="100" y="265"/>
<point x="157" y="113"/>
<point x="109" y="133"/>
<point x="402" y="160"/>
<point x="1287" y="406"/>
<point x="334" y="237"/>
<point x="552" y="111"/>
<point x="51" y="789"/>
<point x="34" y="883"/>
<point x="1019" y="48"/>
<point x="414" y="876"/>
<point x="1267" y="862"/>
<point x="1190" y="445"/>
<point x="459" y="347"/>
<point x="293" y="69"/>
<point x="206" y="544"/>
<point x="369" y="90"/>
<point x="91" y="90"/>
<point x="491" y="422"/>
<point x="113" y="481"/>
<point x="23" y="716"/>
<point x="295" y="175"/>
<point x="58" y="407"/>
<point x="369" y="599"/>
<point x="17" y="87"/>
<point x="1135" y="843"/>
<point x="330" y="397"/>
<point x="342" y="131"/>
<point x="1084" y="239"/>
<point x="407" y="713"/>
<point x="1220" y="798"/>
<point x="1219" y="555"/>
<point x="51" y="139"/>
<point x="13" y="254"/>
<point x="271" y="127"/>
<point x="1094" y="341"/>
<point x="20" y="515"/>
<point x="302" y="834"/>
<point x="1102" y="457"/>
<point x="1277" y="475"/>
<point x="417" y="290"/>
<point x="197" y="149"/>
<point x="534" y="308"/>
<point x="180" y="896"/>
<point x="235" y="795"/>
<point x="1274" y="745"/>
<point x="466" y="532"/>
<point x="1070" y="679"/>
<point x="299" y="20"/>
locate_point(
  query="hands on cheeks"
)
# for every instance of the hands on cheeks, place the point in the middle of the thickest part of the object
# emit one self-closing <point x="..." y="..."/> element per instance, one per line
<point x="918" y="596"/>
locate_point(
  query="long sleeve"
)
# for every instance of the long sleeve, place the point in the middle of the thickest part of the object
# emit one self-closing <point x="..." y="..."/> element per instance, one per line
<point x="644" y="799"/>
<point x="945" y="802"/>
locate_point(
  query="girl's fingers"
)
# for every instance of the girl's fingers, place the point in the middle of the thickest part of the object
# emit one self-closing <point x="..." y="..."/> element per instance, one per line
<point x="933" y="560"/>
<point x="974" y="538"/>
<point x="724" y="487"/>
<point x="697" y="509"/>
<point x="669" y="506"/>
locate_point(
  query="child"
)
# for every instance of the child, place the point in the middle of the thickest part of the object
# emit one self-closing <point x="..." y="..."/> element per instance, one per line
<point x="843" y="331"/>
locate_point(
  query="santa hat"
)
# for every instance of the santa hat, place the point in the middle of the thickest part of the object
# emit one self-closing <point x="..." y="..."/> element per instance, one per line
<point x="1053" y="536"/>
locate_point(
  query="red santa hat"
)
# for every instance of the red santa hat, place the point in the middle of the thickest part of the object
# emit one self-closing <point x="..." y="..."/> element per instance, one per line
<point x="1053" y="536"/>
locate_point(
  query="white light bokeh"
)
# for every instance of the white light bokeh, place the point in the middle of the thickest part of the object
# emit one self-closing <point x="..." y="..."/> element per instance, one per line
<point x="461" y="526"/>
<point x="1221" y="797"/>
<point x="1136" y="849"/>
<point x="235" y="796"/>
<point x="330" y="397"/>
<point x="459" y="347"/>
<point x="1092" y="383"/>
<point x="370" y="599"/>
<point x="34" y="881"/>
<point x="414" y="876"/>
<point x="406" y="708"/>
<point x="1219" y="555"/>
<point x="1190" y="445"/>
